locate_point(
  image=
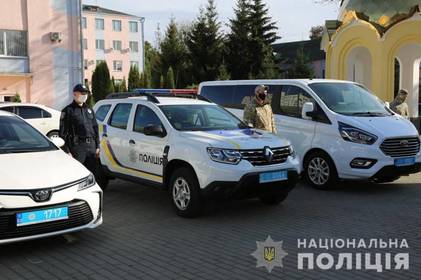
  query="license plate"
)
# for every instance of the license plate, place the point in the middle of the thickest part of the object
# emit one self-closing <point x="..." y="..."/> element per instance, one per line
<point x="405" y="161"/>
<point x="273" y="176"/>
<point x="42" y="216"/>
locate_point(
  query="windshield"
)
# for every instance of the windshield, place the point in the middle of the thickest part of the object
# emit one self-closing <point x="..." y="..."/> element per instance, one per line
<point x="349" y="99"/>
<point x="201" y="118"/>
<point x="16" y="136"/>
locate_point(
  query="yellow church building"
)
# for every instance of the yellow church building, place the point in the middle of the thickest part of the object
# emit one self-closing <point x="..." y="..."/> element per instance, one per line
<point x="378" y="44"/>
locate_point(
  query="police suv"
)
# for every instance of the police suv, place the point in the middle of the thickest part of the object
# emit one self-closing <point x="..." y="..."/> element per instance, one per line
<point x="194" y="148"/>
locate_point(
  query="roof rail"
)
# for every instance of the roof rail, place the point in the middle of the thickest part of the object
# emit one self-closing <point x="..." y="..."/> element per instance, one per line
<point x="122" y="95"/>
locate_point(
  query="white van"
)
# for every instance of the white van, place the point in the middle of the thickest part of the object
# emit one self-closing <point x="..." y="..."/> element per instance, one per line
<point x="338" y="128"/>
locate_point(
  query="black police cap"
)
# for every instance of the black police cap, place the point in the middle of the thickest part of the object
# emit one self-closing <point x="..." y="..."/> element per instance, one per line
<point x="80" y="88"/>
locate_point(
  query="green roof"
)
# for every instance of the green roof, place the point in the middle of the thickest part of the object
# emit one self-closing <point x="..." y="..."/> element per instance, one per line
<point x="288" y="51"/>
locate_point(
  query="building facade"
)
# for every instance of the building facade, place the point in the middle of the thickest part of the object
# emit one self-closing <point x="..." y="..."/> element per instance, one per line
<point x="40" y="50"/>
<point x="378" y="44"/>
<point x="114" y="37"/>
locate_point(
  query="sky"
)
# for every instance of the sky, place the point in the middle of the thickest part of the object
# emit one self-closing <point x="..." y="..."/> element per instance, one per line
<point x="294" y="18"/>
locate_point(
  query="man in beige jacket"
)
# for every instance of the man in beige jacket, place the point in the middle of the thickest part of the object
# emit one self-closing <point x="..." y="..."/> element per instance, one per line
<point x="258" y="112"/>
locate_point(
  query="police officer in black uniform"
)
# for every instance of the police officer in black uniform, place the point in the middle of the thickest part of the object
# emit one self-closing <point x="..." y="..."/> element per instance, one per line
<point x="79" y="129"/>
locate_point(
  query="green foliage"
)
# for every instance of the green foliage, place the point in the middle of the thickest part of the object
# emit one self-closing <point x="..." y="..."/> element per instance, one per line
<point x="316" y="32"/>
<point x="16" y="98"/>
<point x="134" y="80"/>
<point x="169" y="79"/>
<point x="223" y="74"/>
<point x="301" y="67"/>
<point x="162" y="82"/>
<point x="101" y="82"/>
<point x="205" y="44"/>
<point x="174" y="53"/>
<point x="122" y="87"/>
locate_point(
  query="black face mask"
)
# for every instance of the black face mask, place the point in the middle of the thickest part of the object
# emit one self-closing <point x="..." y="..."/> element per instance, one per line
<point x="262" y="96"/>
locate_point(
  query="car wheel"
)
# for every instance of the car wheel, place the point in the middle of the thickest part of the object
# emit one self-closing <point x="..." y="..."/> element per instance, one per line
<point x="185" y="193"/>
<point x="273" y="199"/>
<point x="101" y="177"/>
<point x="320" y="171"/>
<point x="53" y="133"/>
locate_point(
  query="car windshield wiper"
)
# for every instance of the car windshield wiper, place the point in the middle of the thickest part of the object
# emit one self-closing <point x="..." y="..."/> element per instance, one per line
<point x="368" y="114"/>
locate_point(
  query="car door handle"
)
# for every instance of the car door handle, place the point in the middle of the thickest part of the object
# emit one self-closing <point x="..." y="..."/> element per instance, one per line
<point x="132" y="142"/>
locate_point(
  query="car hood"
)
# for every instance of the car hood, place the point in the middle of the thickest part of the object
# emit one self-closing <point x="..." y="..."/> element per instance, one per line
<point x="237" y="139"/>
<point x="39" y="170"/>
<point x="386" y="127"/>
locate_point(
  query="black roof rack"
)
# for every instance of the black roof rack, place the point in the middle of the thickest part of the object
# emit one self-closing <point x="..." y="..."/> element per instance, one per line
<point x="122" y="95"/>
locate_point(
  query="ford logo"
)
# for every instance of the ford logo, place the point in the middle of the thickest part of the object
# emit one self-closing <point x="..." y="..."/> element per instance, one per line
<point x="268" y="154"/>
<point x="42" y="195"/>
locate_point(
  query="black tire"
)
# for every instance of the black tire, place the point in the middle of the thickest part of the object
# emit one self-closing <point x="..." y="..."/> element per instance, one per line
<point x="273" y="199"/>
<point x="320" y="171"/>
<point x="101" y="176"/>
<point x="52" y="133"/>
<point x="184" y="179"/>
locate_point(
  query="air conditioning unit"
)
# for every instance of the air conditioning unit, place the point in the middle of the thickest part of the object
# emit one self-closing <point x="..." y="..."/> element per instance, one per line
<point x="55" y="37"/>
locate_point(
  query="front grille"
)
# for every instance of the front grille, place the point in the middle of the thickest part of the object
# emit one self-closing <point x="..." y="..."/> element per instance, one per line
<point x="401" y="147"/>
<point x="257" y="157"/>
<point x="79" y="214"/>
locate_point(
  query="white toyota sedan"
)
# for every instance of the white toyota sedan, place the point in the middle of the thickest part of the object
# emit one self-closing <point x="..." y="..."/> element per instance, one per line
<point x="43" y="191"/>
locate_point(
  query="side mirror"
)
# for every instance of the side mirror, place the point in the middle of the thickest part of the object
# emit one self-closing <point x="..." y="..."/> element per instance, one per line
<point x="308" y="111"/>
<point x="155" y="130"/>
<point x="59" y="142"/>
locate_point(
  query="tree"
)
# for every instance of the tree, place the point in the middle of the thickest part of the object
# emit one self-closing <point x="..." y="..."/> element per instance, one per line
<point x="263" y="35"/>
<point x="223" y="74"/>
<point x="134" y="80"/>
<point x="174" y="53"/>
<point x="113" y="85"/>
<point x="205" y="44"/>
<point x="162" y="82"/>
<point x="316" y="32"/>
<point x="122" y="87"/>
<point x="238" y="55"/>
<point x="301" y="67"/>
<point x="169" y="79"/>
<point x="16" y="98"/>
<point x="101" y="82"/>
<point x="153" y="65"/>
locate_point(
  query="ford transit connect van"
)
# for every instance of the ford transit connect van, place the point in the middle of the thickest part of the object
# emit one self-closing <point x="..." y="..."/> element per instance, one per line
<point x="338" y="128"/>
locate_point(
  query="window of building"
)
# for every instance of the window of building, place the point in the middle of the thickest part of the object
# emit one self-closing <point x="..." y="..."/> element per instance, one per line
<point x="99" y="61"/>
<point x="13" y="43"/>
<point x="117" y="45"/>
<point x="100" y="44"/>
<point x="85" y="64"/>
<point x="117" y="25"/>
<point x="134" y="46"/>
<point x="134" y="64"/>
<point x="84" y="24"/>
<point x="85" y="44"/>
<point x="133" y="26"/>
<point x="99" y="23"/>
<point x="120" y="116"/>
<point x="118" y="65"/>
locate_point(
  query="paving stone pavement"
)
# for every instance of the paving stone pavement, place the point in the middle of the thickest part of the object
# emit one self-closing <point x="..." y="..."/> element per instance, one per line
<point x="141" y="238"/>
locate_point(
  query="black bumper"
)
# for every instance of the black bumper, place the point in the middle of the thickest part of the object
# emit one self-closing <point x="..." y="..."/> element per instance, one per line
<point x="394" y="171"/>
<point x="249" y="187"/>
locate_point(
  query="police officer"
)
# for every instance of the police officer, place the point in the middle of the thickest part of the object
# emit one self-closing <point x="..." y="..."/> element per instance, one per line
<point x="258" y="112"/>
<point x="79" y="129"/>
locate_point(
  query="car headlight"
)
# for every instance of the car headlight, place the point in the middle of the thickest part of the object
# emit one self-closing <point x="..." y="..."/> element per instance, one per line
<point x="224" y="155"/>
<point x="356" y="135"/>
<point x="87" y="183"/>
<point x="291" y="152"/>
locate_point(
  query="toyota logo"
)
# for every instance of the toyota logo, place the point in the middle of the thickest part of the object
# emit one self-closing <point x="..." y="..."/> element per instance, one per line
<point x="268" y="154"/>
<point x="42" y="195"/>
<point x="404" y="143"/>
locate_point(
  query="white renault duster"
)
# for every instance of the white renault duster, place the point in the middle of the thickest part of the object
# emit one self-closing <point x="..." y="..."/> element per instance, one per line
<point x="194" y="148"/>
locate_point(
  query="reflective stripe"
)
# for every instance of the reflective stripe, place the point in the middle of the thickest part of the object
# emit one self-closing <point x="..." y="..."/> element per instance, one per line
<point x="216" y="137"/>
<point x="114" y="162"/>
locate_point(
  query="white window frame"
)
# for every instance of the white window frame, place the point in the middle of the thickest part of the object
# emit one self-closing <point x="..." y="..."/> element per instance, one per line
<point x="130" y="26"/>
<point x="131" y="46"/>
<point x="116" y="63"/>
<point x="3" y="32"/>
<point x="118" y="22"/>
<point x="84" y="23"/>
<point x="97" y="41"/>
<point x="117" y="45"/>
<point x="99" y="20"/>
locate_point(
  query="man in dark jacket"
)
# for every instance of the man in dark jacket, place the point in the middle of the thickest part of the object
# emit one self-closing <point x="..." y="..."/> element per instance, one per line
<point x="79" y="129"/>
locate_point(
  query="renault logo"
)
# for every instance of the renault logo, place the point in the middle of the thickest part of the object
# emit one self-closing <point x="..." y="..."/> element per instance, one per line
<point x="268" y="154"/>
<point x="404" y="143"/>
<point x="42" y="195"/>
